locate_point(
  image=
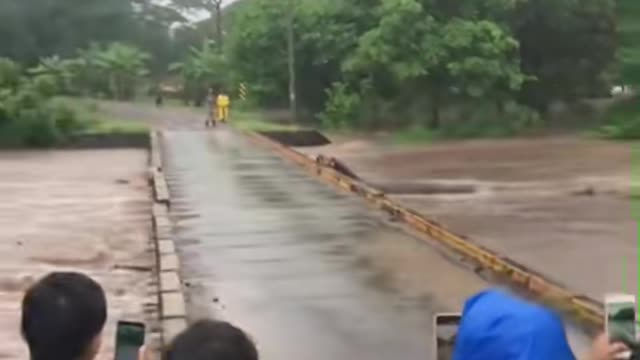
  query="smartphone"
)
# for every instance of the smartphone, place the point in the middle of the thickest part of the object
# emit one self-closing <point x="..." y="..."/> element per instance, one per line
<point x="445" y="330"/>
<point x="620" y="322"/>
<point x="129" y="340"/>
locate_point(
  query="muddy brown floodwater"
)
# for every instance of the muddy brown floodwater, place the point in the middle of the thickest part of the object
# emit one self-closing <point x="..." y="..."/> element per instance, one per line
<point x="84" y="211"/>
<point x="559" y="205"/>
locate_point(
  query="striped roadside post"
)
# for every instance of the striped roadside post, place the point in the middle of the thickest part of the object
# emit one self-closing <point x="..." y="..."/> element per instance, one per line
<point x="243" y="92"/>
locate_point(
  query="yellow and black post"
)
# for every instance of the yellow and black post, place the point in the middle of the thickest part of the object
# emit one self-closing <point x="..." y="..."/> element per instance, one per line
<point x="243" y="92"/>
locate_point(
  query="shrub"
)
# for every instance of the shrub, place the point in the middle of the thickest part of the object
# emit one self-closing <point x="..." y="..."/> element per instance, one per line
<point x="10" y="73"/>
<point x="341" y="108"/>
<point x="45" y="85"/>
<point x="64" y="119"/>
<point x="622" y="121"/>
<point x="38" y="128"/>
<point x="483" y="120"/>
<point x="29" y="119"/>
<point x="629" y="129"/>
<point x="415" y="134"/>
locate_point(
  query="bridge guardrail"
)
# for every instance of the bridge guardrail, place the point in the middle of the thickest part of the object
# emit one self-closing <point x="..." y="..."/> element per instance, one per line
<point x="585" y="311"/>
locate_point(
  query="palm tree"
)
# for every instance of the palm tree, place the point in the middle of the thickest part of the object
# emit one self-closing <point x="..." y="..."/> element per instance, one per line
<point x="124" y="65"/>
<point x="61" y="72"/>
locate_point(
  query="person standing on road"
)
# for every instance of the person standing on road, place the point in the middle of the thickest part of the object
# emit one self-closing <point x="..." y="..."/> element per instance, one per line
<point x="211" y="108"/>
<point x="223" y="103"/>
<point x="159" y="99"/>
<point x="498" y="326"/>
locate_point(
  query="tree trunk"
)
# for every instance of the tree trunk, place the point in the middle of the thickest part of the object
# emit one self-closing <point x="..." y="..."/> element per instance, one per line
<point x="434" y="122"/>
<point x="113" y="84"/>
<point x="219" y="24"/>
<point x="500" y="108"/>
<point x="292" y="64"/>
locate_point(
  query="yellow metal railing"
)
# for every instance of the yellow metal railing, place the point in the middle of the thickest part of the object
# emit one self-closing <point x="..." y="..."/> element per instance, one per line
<point x="585" y="311"/>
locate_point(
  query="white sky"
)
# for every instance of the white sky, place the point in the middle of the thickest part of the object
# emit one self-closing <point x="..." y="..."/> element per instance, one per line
<point x="196" y="15"/>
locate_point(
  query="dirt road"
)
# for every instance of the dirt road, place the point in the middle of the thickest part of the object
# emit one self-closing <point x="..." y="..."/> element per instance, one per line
<point x="83" y="211"/>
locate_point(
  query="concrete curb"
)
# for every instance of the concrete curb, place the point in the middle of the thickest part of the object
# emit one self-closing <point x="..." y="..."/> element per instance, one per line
<point x="173" y="314"/>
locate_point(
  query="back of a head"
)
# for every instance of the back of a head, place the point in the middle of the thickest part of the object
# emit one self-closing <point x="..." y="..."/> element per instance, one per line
<point x="211" y="340"/>
<point x="498" y="326"/>
<point x="62" y="316"/>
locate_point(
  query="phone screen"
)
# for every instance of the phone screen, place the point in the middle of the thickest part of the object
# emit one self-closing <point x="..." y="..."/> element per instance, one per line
<point x="129" y="339"/>
<point x="621" y="320"/>
<point x="446" y="329"/>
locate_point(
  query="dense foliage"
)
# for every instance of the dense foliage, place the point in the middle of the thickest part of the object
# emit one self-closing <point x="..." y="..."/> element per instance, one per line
<point x="28" y="116"/>
<point x="112" y="71"/>
<point x="33" y="29"/>
<point x="445" y="65"/>
<point x="629" y="41"/>
<point x="431" y="62"/>
<point x="204" y="67"/>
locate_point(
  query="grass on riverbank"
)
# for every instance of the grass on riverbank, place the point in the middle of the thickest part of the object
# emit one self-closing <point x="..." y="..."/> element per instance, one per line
<point x="57" y="122"/>
<point x="94" y="121"/>
<point x="242" y="117"/>
<point x="622" y="120"/>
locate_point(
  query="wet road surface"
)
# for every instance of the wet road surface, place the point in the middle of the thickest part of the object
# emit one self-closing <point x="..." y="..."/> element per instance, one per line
<point x="308" y="273"/>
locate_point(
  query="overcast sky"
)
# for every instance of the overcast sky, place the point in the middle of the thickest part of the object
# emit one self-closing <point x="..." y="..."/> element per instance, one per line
<point x="196" y="15"/>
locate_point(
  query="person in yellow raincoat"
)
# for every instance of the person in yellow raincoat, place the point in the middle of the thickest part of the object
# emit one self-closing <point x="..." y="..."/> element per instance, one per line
<point x="222" y="104"/>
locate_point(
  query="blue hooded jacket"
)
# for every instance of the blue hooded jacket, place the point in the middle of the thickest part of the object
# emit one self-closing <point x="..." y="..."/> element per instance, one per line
<point x="499" y="326"/>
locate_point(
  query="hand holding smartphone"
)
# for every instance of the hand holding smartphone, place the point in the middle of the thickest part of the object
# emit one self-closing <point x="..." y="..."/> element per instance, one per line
<point x="445" y="330"/>
<point x="129" y="340"/>
<point x="620" y="321"/>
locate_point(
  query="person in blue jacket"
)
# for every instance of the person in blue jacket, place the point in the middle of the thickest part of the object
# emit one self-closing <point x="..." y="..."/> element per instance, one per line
<point x="496" y="325"/>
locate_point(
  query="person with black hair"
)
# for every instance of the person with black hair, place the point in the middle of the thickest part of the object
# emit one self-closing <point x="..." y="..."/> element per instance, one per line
<point x="211" y="108"/>
<point x="63" y="315"/>
<point x="211" y="340"/>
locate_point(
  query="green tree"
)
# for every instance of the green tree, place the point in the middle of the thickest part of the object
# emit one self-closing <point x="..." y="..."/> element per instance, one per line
<point x="153" y="34"/>
<point x="628" y="13"/>
<point x="59" y="72"/>
<point x="481" y="60"/>
<point x="568" y="46"/>
<point x="213" y="7"/>
<point x="124" y="65"/>
<point x="326" y="31"/>
<point x="35" y="29"/>
<point x="31" y="29"/>
<point x="257" y="49"/>
<point x="393" y="56"/>
<point x="10" y="73"/>
<point x="204" y="67"/>
<point x="446" y="59"/>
